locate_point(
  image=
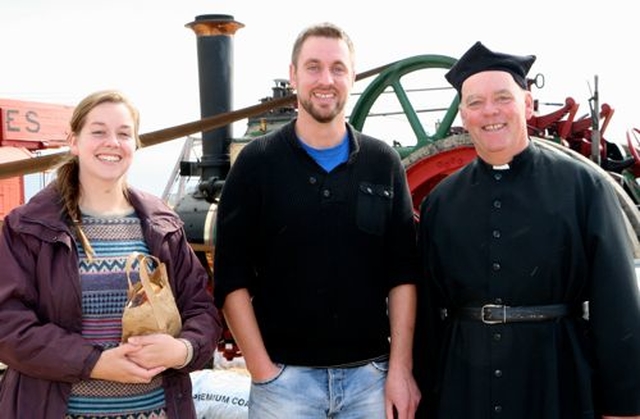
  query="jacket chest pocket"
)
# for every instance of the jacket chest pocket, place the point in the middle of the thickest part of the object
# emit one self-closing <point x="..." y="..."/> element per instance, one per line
<point x="373" y="207"/>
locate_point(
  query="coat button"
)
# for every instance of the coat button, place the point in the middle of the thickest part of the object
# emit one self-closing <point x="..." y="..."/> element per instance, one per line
<point x="496" y="266"/>
<point x="497" y="336"/>
<point x="312" y="180"/>
<point x="496" y="234"/>
<point x="497" y="373"/>
<point x="497" y="408"/>
<point x="497" y="176"/>
<point x="326" y="193"/>
<point x="497" y="204"/>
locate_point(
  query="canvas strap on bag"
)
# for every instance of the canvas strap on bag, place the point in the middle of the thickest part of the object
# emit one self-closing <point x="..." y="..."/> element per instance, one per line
<point x="150" y="307"/>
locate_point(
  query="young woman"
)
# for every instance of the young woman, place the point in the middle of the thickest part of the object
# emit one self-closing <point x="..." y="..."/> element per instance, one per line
<point x="64" y="287"/>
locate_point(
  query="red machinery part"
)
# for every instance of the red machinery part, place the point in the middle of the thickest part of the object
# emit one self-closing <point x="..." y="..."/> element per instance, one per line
<point x="634" y="144"/>
<point x="428" y="165"/>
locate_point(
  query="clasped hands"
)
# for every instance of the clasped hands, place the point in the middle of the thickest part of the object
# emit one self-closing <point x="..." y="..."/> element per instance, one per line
<point x="139" y="359"/>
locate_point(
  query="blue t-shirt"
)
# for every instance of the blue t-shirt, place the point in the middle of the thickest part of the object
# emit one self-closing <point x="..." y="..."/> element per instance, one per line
<point x="329" y="158"/>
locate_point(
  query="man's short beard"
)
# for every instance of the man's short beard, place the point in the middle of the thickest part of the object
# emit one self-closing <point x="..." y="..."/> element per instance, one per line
<point x="322" y="118"/>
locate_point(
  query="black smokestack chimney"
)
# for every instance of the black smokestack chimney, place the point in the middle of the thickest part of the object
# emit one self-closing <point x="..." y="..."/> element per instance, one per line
<point x="215" y="65"/>
<point x="198" y="210"/>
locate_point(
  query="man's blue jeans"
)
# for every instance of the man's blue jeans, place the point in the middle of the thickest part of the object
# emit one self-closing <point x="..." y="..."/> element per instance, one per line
<point x="321" y="393"/>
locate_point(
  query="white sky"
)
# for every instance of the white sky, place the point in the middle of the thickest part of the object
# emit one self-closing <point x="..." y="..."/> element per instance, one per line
<point x="59" y="51"/>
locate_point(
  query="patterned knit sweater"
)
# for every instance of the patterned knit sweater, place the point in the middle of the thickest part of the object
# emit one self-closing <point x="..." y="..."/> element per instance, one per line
<point x="104" y="294"/>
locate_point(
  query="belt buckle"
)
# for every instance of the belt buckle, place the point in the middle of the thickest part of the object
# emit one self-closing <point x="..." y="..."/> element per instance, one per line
<point x="493" y="321"/>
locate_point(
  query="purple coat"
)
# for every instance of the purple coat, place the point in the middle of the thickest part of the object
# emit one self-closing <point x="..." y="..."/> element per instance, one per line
<point x="41" y="313"/>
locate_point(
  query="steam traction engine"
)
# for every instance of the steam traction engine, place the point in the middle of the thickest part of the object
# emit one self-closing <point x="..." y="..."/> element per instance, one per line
<point x="429" y="155"/>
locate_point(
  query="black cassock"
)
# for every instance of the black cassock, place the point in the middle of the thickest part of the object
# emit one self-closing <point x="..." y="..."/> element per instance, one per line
<point x="545" y="230"/>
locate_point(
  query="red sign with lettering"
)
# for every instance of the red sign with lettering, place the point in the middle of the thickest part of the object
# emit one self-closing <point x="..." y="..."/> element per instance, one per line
<point x="33" y="125"/>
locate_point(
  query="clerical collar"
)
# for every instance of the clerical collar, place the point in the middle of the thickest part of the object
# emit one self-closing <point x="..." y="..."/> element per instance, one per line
<point x="501" y="167"/>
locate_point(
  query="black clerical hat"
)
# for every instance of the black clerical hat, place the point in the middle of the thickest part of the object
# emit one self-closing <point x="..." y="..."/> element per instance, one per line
<point x="479" y="58"/>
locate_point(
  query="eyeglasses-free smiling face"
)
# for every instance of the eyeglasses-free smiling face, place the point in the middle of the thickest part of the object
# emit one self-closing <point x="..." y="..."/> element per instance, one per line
<point x="105" y="144"/>
<point x="495" y="109"/>
<point x="323" y="77"/>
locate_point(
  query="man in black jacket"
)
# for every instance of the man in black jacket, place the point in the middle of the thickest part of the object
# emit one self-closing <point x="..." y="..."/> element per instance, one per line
<point x="315" y="263"/>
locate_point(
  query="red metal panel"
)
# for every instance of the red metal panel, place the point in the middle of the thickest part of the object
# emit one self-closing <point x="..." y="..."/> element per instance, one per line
<point x="33" y="125"/>
<point x="12" y="189"/>
<point x="11" y="194"/>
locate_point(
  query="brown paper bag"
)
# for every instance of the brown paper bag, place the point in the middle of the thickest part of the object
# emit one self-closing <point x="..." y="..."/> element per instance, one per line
<point x="150" y="306"/>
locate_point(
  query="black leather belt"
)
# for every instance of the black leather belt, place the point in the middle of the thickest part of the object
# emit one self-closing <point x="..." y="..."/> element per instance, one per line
<point x="497" y="313"/>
